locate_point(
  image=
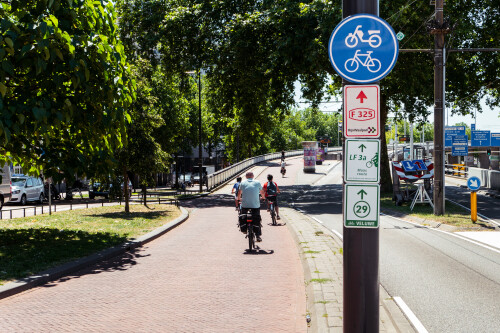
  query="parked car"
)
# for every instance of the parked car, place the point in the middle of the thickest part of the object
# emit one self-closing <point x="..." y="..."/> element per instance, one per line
<point x="98" y="189"/>
<point x="26" y="188"/>
<point x="5" y="194"/>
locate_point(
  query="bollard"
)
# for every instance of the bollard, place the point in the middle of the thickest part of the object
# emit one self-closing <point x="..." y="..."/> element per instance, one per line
<point x="473" y="206"/>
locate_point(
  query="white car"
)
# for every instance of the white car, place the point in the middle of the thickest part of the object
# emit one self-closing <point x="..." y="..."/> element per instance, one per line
<point x="26" y="188"/>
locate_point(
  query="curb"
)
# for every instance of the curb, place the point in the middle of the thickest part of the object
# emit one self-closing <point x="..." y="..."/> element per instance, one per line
<point x="55" y="273"/>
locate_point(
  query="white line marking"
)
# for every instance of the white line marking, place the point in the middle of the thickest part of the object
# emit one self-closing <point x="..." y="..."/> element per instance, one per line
<point x="446" y="232"/>
<point x="481" y="215"/>
<point x="410" y="315"/>
<point x="334" y="231"/>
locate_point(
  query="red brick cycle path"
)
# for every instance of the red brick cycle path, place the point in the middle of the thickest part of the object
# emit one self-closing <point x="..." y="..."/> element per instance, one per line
<point x="196" y="278"/>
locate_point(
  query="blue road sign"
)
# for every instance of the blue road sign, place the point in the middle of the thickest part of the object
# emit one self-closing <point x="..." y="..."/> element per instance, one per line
<point x="408" y="166"/>
<point x="473" y="183"/>
<point x="480" y="139"/>
<point x="450" y="132"/>
<point x="473" y="127"/>
<point x="363" y="48"/>
<point x="460" y="145"/>
<point x="420" y="165"/>
<point x="495" y="139"/>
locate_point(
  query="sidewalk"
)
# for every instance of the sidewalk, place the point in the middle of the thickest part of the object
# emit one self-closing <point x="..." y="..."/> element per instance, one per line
<point x="321" y="253"/>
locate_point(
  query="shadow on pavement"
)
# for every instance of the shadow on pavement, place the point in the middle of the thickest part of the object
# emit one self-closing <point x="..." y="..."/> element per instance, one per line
<point x="123" y="262"/>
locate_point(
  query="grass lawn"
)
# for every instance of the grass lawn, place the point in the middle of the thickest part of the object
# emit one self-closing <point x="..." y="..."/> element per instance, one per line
<point x="33" y="244"/>
<point x="454" y="215"/>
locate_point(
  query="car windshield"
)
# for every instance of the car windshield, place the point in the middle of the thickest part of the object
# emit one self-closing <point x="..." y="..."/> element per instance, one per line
<point x="18" y="181"/>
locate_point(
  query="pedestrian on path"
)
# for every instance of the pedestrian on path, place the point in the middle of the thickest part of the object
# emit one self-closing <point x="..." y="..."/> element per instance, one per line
<point x="248" y="195"/>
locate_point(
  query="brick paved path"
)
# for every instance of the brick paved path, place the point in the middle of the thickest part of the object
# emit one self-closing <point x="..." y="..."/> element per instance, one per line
<point x="196" y="278"/>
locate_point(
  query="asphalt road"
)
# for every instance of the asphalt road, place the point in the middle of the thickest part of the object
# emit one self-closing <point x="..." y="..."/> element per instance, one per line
<point x="450" y="284"/>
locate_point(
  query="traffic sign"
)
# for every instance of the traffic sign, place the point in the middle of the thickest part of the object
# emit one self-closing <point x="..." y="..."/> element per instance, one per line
<point x="408" y="166"/>
<point x="450" y="132"/>
<point x="473" y="183"/>
<point x="495" y="139"/>
<point x="363" y="48"/>
<point x="362" y="160"/>
<point x="361" y="206"/>
<point x="460" y="145"/>
<point x="361" y="111"/>
<point x="473" y="127"/>
<point x="420" y="165"/>
<point x="480" y="139"/>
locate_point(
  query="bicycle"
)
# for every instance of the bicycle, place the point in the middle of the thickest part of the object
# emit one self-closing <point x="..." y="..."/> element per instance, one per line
<point x="283" y="171"/>
<point x="373" y="161"/>
<point x="272" y="210"/>
<point x="247" y="225"/>
<point x="372" y="64"/>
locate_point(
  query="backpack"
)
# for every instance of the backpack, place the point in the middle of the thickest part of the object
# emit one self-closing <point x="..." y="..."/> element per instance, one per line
<point x="271" y="188"/>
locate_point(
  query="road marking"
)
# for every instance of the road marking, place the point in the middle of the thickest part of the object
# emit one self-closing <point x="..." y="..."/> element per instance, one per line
<point x="446" y="232"/>
<point x="481" y="215"/>
<point x="410" y="315"/>
<point x="333" y="230"/>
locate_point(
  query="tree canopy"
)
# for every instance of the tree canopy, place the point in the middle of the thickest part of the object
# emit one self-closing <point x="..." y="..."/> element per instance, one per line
<point x="64" y="84"/>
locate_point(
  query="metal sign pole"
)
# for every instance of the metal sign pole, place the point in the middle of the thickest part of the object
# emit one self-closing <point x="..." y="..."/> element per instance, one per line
<point x="361" y="245"/>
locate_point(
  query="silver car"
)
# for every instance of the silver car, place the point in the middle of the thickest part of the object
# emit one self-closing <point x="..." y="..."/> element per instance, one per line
<point x="26" y="188"/>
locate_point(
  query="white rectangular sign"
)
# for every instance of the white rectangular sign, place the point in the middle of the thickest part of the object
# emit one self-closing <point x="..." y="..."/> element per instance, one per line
<point x="362" y="111"/>
<point x="361" y="206"/>
<point x="362" y="157"/>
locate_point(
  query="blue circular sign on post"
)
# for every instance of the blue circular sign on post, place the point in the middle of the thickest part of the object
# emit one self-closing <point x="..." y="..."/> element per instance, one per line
<point x="473" y="183"/>
<point x="363" y="48"/>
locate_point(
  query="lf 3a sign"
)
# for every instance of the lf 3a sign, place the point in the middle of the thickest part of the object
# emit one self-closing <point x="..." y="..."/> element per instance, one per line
<point x="361" y="115"/>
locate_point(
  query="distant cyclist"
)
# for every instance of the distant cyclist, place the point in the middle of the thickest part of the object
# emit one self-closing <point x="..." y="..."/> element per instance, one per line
<point x="271" y="190"/>
<point x="248" y="194"/>
<point x="235" y="190"/>
<point x="282" y="155"/>
<point x="283" y="167"/>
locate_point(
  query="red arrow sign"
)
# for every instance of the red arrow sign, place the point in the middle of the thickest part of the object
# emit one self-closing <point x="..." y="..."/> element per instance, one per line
<point x="361" y="96"/>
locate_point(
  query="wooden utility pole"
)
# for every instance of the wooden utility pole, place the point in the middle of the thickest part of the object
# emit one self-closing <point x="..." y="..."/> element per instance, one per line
<point x="439" y="93"/>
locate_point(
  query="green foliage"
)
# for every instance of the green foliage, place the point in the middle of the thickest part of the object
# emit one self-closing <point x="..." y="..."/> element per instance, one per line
<point x="64" y="86"/>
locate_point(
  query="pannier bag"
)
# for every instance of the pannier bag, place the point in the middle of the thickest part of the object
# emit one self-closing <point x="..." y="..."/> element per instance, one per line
<point x="242" y="219"/>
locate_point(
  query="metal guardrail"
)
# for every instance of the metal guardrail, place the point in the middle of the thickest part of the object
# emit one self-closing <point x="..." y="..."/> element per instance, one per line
<point x="44" y="208"/>
<point x="219" y="177"/>
<point x="457" y="170"/>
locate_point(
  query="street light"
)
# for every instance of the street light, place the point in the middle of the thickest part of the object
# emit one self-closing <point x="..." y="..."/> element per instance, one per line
<point x="199" y="128"/>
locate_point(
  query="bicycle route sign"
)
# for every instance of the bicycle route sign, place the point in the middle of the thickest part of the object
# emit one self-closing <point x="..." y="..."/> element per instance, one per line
<point x="361" y="111"/>
<point x="362" y="160"/>
<point x="363" y="48"/>
<point x="361" y="206"/>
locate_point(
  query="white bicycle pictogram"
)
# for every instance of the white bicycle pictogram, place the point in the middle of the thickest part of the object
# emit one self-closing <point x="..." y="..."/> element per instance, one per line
<point x="372" y="64"/>
<point x="353" y="38"/>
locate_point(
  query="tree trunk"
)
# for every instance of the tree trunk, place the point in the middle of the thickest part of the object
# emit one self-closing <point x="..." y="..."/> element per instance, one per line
<point x="144" y="195"/>
<point x="385" y="171"/>
<point x="126" y="189"/>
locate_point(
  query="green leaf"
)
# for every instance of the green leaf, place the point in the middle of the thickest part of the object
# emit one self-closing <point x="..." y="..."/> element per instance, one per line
<point x="59" y="54"/>
<point x="9" y="42"/>
<point x="8" y="67"/>
<point x="3" y="89"/>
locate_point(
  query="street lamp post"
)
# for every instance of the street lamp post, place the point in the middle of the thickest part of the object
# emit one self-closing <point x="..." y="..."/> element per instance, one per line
<point x="200" y="164"/>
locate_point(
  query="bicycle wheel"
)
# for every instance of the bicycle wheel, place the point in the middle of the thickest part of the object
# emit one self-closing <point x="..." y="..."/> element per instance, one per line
<point x="273" y="214"/>
<point x="351" y="65"/>
<point x="351" y="40"/>
<point x="250" y="236"/>
<point x="374" y="65"/>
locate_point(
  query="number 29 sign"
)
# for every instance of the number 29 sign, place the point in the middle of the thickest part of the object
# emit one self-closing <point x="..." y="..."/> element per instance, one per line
<point x="362" y="116"/>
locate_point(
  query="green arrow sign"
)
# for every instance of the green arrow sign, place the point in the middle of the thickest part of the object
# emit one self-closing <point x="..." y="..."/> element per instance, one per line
<point x="362" y="147"/>
<point x="362" y="192"/>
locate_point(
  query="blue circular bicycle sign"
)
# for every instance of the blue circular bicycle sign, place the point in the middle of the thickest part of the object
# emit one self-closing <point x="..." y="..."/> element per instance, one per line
<point x="363" y="48"/>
